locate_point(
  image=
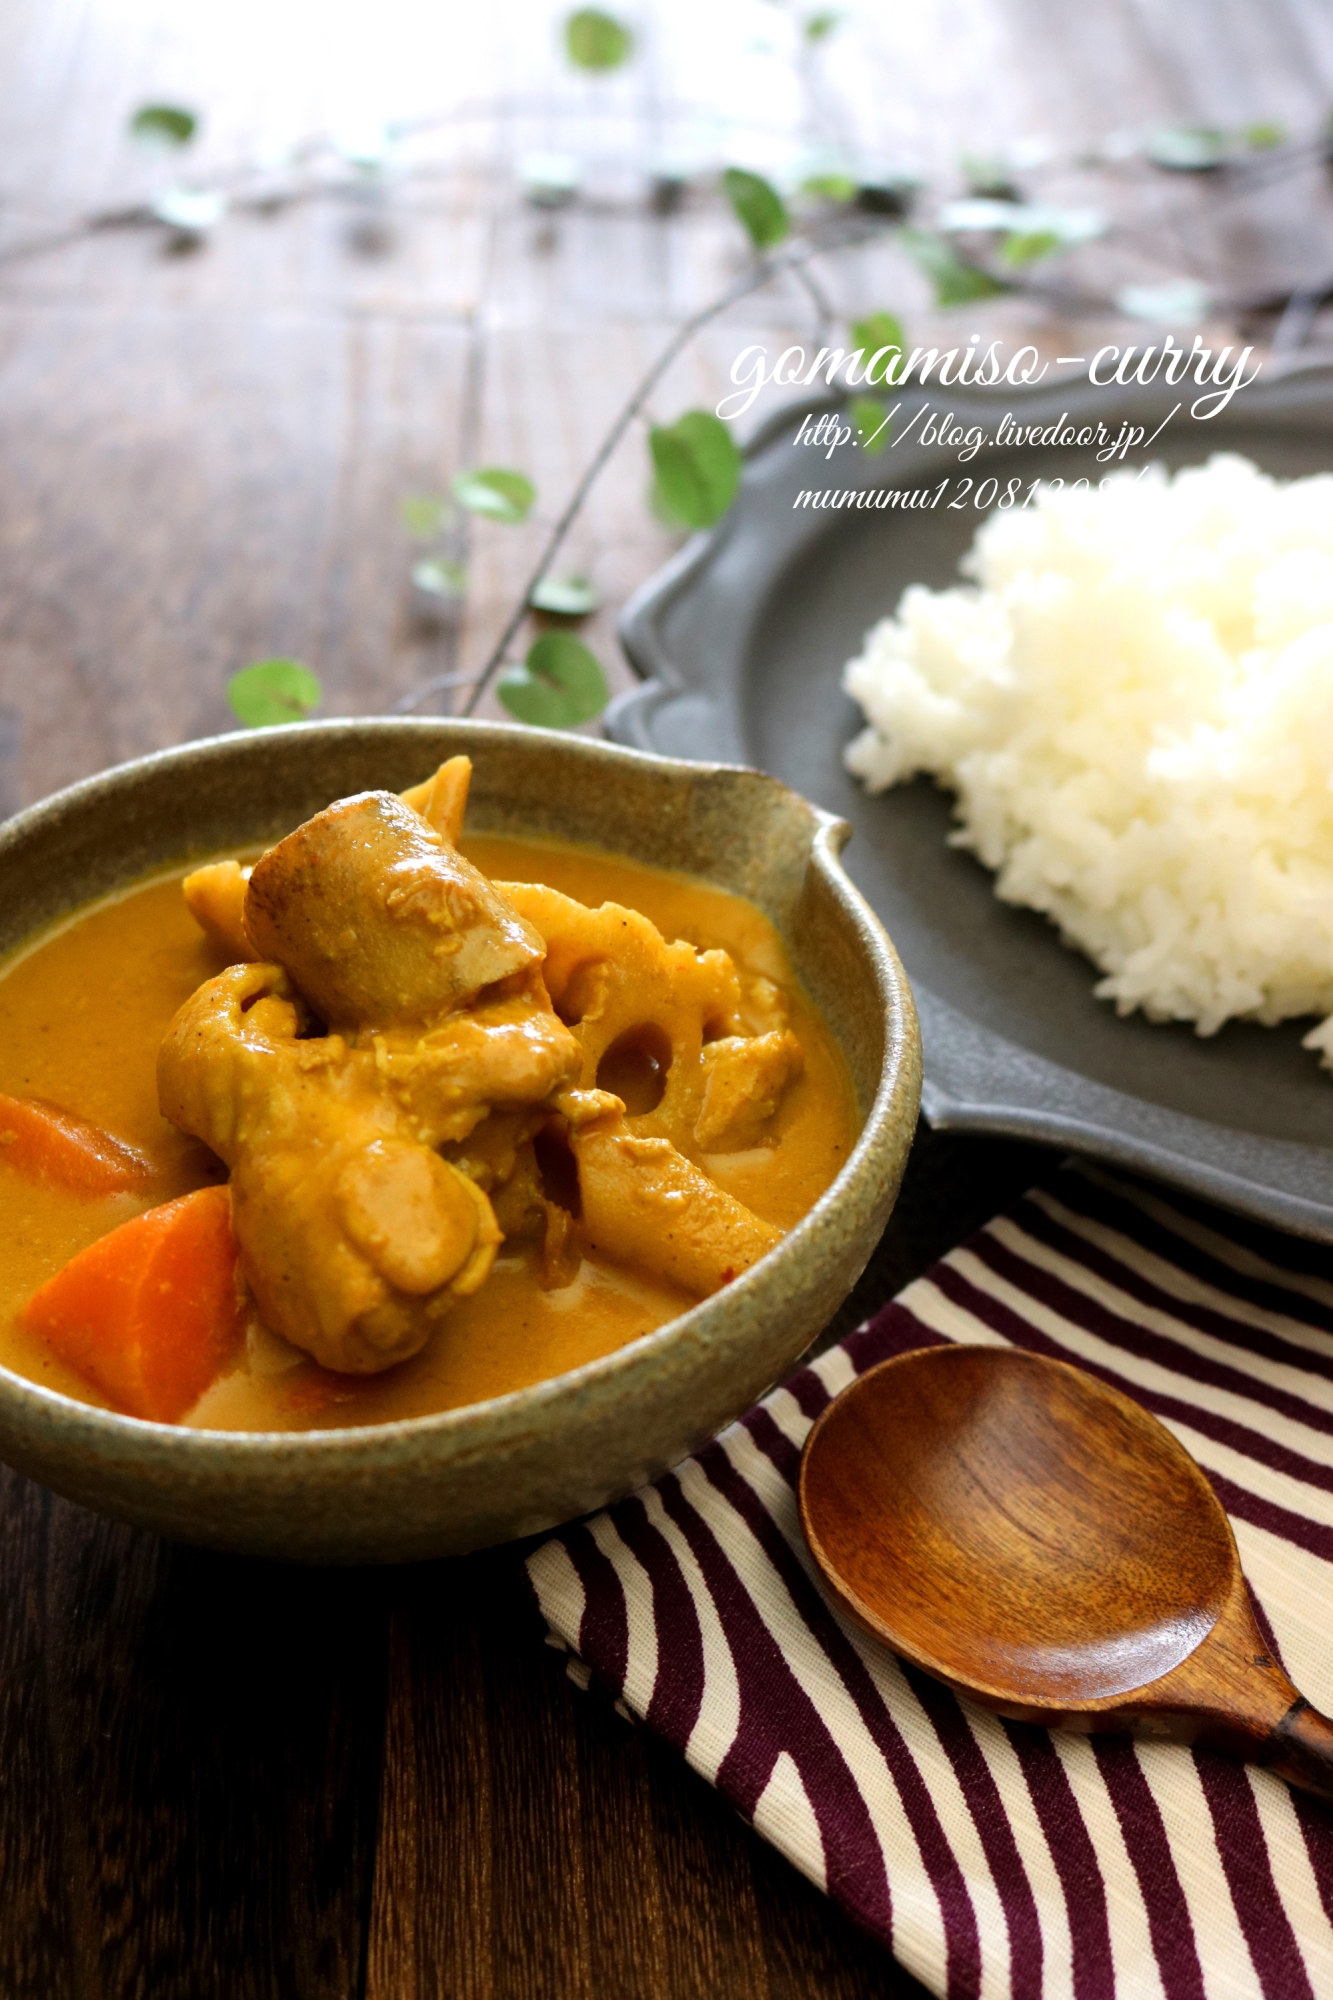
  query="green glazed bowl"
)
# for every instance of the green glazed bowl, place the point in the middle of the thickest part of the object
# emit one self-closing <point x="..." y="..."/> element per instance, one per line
<point x="438" y="1485"/>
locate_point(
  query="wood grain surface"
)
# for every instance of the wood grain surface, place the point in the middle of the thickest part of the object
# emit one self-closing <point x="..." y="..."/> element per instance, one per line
<point x="220" y="1778"/>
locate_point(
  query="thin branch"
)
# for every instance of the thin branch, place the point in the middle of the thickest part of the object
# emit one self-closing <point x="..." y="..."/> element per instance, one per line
<point x="751" y="280"/>
<point x="1298" y="317"/>
<point x="413" y="700"/>
<point x="819" y="298"/>
<point x="76" y="232"/>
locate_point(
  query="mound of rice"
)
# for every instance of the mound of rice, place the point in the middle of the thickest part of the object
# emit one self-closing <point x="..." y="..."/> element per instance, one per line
<point x="1134" y="705"/>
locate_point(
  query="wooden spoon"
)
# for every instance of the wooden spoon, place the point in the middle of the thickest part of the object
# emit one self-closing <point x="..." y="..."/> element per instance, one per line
<point x="1044" y="1546"/>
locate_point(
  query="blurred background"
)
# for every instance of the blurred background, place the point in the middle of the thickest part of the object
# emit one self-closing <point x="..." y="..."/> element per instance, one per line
<point x="274" y="276"/>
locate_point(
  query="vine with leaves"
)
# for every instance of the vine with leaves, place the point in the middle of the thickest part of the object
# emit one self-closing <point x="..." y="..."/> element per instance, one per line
<point x="986" y="244"/>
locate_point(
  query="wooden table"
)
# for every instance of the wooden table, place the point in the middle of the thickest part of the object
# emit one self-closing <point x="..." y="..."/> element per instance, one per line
<point x="220" y="1777"/>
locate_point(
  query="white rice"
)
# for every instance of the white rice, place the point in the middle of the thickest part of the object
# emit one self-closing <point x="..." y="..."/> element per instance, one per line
<point x="1134" y="705"/>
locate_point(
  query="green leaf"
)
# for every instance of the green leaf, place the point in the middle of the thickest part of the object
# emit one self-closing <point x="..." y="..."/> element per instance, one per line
<point x="759" y="207"/>
<point x="594" y="40"/>
<point x="559" y="684"/>
<point x="497" y="492"/>
<point x="989" y="176"/>
<point x="1173" y="302"/>
<point x="564" y="596"/>
<point x="1029" y="246"/>
<point x="367" y="147"/>
<point x="886" y="194"/>
<point x="869" y="416"/>
<point x="163" y="125"/>
<point x="424" y="516"/>
<point x="272" y="691"/>
<point x="550" y="180"/>
<point x="438" y="578"/>
<point x="831" y="187"/>
<point x="878" y="330"/>
<point x="192" y="211"/>
<point x="955" y="282"/>
<point x="698" y="467"/>
<point x="818" y="27"/>
<point x="1264" y="134"/>
<point x="1188" y="149"/>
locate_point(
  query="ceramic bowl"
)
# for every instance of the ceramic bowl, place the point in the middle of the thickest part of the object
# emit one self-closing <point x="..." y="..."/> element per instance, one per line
<point x="468" y="1477"/>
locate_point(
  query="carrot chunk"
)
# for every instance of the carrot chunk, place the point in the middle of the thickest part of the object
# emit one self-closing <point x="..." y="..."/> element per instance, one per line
<point x="149" y="1314"/>
<point x="45" y="1143"/>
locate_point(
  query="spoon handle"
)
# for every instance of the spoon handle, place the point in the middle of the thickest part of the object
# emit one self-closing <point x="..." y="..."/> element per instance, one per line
<point x="1300" y="1750"/>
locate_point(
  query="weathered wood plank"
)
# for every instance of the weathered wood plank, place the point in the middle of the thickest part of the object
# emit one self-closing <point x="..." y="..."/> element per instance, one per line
<point x="531" y="1843"/>
<point x="36" y="1921"/>
<point x="192" y="1750"/>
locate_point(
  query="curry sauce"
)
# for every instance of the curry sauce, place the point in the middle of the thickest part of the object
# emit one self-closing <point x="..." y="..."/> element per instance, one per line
<point x="83" y="1013"/>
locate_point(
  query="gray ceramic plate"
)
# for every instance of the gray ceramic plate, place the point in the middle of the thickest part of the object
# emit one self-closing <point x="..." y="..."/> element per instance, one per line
<point x="742" y="640"/>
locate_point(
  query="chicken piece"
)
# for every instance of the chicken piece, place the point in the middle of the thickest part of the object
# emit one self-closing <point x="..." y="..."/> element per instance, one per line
<point x="379" y="921"/>
<point x="375" y="1166"/>
<point x="763" y="1008"/>
<point x="215" y="895"/>
<point x="745" y="1077"/>
<point x="354" y="1232"/>
<point x="509" y="1049"/>
<point x="645" y="1205"/>
<point x="355" y="1236"/>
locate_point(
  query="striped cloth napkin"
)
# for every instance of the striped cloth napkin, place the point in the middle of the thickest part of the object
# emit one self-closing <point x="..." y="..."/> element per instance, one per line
<point x="995" y="1858"/>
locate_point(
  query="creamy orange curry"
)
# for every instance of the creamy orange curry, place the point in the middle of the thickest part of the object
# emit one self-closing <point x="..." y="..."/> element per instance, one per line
<point x="392" y="1121"/>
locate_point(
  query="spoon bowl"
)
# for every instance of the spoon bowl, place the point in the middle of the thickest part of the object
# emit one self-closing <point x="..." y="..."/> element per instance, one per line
<point x="1041" y="1543"/>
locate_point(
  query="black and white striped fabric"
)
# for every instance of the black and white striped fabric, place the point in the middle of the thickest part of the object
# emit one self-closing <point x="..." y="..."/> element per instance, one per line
<point x="996" y="1859"/>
